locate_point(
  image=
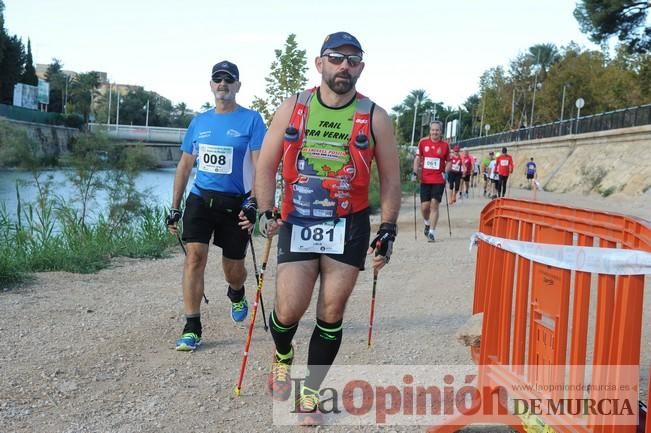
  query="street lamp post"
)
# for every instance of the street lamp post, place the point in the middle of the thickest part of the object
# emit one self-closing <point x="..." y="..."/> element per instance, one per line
<point x="108" y="117"/>
<point x="579" y="104"/>
<point x="413" y="128"/>
<point x="560" y="128"/>
<point x="117" y="116"/>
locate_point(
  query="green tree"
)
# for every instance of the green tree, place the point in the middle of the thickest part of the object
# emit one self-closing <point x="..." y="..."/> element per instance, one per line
<point x="286" y="78"/>
<point x="602" y="19"/>
<point x="406" y="110"/>
<point x="82" y="90"/>
<point x="55" y="76"/>
<point x="11" y="68"/>
<point x="3" y="34"/>
<point x="181" y="116"/>
<point x="29" y="75"/>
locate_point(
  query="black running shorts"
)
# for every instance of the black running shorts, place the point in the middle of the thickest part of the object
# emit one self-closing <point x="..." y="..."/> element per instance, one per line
<point x="431" y="191"/>
<point x="201" y="222"/>
<point x="357" y="237"/>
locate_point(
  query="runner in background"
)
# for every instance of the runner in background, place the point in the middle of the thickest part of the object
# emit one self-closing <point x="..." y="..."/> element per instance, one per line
<point x="504" y="164"/>
<point x="430" y="163"/>
<point x="493" y="177"/>
<point x="531" y="173"/>
<point x="468" y="166"/>
<point x="474" y="180"/>
<point x="486" y="173"/>
<point x="455" y="173"/>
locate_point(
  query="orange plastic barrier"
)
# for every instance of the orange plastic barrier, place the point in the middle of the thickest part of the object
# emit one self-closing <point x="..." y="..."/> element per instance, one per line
<point x="539" y="323"/>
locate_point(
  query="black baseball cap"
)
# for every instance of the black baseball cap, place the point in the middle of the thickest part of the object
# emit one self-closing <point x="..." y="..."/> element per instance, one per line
<point x="340" y="39"/>
<point x="226" y="67"/>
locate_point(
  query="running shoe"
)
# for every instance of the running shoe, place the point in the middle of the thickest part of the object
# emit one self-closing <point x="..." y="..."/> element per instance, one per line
<point x="188" y="342"/>
<point x="307" y="408"/>
<point x="239" y="310"/>
<point x="431" y="237"/>
<point x="426" y="230"/>
<point x="279" y="381"/>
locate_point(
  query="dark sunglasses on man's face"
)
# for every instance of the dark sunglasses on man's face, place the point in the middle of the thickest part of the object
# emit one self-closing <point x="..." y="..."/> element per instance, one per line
<point x="338" y="58"/>
<point x="227" y="80"/>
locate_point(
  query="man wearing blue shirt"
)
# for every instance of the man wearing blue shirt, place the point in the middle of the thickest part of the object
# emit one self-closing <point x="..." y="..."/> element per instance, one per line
<point x="225" y="143"/>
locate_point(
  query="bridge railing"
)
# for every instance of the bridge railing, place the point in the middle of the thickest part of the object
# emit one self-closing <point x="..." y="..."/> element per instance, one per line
<point x="155" y="134"/>
<point x="624" y="118"/>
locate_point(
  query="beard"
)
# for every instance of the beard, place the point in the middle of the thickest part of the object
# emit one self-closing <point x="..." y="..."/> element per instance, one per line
<point x="341" y="83"/>
<point x="221" y="95"/>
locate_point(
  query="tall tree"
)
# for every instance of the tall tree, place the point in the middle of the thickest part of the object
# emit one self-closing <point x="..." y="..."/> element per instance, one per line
<point x="11" y="68"/>
<point x="54" y="75"/>
<point x="82" y="91"/>
<point x="29" y="76"/>
<point x="406" y="110"/>
<point x="602" y="19"/>
<point x="286" y="78"/>
<point x="3" y="34"/>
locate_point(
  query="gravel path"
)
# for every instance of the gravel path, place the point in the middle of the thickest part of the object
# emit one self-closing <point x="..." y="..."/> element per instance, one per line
<point x="94" y="353"/>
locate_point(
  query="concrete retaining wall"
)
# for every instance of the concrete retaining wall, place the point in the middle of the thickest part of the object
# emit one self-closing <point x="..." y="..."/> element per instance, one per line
<point x="54" y="140"/>
<point x="605" y="162"/>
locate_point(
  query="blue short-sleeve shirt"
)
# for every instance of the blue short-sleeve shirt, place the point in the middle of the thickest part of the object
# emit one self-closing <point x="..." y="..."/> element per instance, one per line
<point x="222" y="144"/>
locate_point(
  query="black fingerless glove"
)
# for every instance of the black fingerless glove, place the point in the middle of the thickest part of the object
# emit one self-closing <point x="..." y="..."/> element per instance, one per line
<point x="173" y="217"/>
<point x="265" y="220"/>
<point x="383" y="242"/>
<point x="250" y="209"/>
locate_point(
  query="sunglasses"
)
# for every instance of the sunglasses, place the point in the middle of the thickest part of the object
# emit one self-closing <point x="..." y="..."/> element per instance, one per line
<point x="338" y="58"/>
<point x="227" y="80"/>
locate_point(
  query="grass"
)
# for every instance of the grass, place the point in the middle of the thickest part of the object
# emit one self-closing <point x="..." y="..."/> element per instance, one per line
<point x="51" y="234"/>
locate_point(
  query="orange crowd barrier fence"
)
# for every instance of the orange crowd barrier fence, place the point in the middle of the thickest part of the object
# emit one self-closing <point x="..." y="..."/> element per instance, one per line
<point x="561" y="331"/>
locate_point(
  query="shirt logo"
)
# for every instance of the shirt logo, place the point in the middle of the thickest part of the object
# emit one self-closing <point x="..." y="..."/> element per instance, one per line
<point x="233" y="133"/>
<point x="203" y="134"/>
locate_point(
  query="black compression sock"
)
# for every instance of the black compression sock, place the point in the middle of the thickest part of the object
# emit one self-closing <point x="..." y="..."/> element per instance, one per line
<point x="324" y="345"/>
<point x="282" y="334"/>
<point x="193" y="324"/>
<point x="235" y="295"/>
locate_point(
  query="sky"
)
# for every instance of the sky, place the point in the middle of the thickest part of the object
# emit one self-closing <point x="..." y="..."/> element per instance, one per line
<point x="169" y="46"/>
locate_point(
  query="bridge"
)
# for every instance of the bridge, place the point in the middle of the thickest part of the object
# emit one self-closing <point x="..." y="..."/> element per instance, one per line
<point x="155" y="135"/>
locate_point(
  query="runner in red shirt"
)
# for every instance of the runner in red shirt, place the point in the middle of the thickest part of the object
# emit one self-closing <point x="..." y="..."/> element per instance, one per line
<point x="429" y="165"/>
<point x="468" y="162"/>
<point x="456" y="171"/>
<point x="504" y="167"/>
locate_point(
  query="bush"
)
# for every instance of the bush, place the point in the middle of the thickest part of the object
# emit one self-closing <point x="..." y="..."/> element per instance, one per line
<point x="14" y="144"/>
<point x="52" y="235"/>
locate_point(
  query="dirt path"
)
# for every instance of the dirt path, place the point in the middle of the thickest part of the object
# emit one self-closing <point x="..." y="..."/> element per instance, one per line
<point x="94" y="353"/>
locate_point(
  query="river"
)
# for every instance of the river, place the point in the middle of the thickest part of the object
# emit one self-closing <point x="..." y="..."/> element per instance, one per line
<point x="158" y="182"/>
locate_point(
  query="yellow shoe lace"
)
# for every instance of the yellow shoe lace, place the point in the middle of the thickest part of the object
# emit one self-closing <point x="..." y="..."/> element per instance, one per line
<point x="309" y="402"/>
<point x="280" y="371"/>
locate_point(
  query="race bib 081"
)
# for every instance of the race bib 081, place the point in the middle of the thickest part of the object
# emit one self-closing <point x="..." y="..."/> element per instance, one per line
<point x="432" y="163"/>
<point x="326" y="238"/>
<point x="215" y="159"/>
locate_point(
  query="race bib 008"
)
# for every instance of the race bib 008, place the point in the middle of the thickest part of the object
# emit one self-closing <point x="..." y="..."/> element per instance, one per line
<point x="215" y="159"/>
<point x="326" y="238"/>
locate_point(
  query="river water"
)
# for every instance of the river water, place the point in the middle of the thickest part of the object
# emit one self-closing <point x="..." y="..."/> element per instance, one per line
<point x="157" y="182"/>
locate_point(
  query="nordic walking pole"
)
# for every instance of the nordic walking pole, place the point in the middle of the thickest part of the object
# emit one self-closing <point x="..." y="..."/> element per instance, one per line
<point x="257" y="278"/>
<point x="370" y="323"/>
<point x="185" y="253"/>
<point x="245" y="355"/>
<point x="370" y="320"/>
<point x="415" y="230"/>
<point x="447" y="206"/>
